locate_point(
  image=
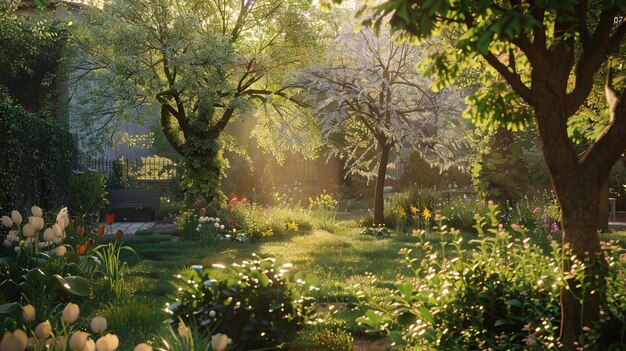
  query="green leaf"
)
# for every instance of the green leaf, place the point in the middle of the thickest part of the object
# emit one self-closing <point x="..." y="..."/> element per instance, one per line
<point x="74" y="285"/>
<point x="9" y="308"/>
<point x="396" y="338"/>
<point x="514" y="302"/>
<point x="425" y="313"/>
<point x="501" y="322"/>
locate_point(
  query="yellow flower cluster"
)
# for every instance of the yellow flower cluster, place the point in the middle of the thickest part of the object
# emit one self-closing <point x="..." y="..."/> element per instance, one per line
<point x="323" y="201"/>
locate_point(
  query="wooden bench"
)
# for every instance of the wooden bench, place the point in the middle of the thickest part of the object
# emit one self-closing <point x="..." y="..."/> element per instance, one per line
<point x="135" y="199"/>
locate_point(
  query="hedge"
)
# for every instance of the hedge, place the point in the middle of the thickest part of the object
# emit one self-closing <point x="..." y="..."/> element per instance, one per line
<point x="35" y="162"/>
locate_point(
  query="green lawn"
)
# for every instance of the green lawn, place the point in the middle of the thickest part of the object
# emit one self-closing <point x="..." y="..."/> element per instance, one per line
<point x="348" y="265"/>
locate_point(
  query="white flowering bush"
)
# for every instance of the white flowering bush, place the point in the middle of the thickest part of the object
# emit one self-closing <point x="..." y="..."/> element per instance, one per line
<point x="26" y="329"/>
<point x="258" y="303"/>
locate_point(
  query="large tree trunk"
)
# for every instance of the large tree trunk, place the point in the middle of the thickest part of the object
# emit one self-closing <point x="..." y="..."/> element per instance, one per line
<point x="202" y="177"/>
<point x="582" y="298"/>
<point x="379" y="201"/>
<point x="577" y="186"/>
<point x="604" y="208"/>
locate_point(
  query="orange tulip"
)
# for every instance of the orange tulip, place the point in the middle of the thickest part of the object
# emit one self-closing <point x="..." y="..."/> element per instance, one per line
<point x="101" y="230"/>
<point x="109" y="218"/>
<point x="80" y="249"/>
<point x="119" y="234"/>
<point x="80" y="230"/>
<point x="89" y="243"/>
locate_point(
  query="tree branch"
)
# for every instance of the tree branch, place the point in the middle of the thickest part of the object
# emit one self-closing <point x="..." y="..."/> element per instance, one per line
<point x="513" y="79"/>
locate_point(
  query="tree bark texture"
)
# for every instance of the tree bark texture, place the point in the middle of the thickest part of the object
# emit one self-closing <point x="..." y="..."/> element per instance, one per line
<point x="379" y="201"/>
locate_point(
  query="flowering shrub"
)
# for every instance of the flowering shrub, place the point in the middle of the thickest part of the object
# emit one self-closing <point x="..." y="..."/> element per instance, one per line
<point x="501" y="295"/>
<point x="25" y="328"/>
<point x="256" y="303"/>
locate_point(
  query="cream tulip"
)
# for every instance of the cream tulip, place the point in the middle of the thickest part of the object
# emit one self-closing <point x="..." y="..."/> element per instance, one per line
<point x="14" y="341"/>
<point x="7" y="221"/>
<point x="143" y="347"/>
<point x="37" y="222"/>
<point x="16" y="217"/>
<point x="60" y="251"/>
<point x="90" y="345"/>
<point x="219" y="342"/>
<point x="7" y="243"/>
<point x="98" y="324"/>
<point x="43" y="330"/>
<point x="28" y="313"/>
<point x="58" y="231"/>
<point x="36" y="211"/>
<point x="28" y="230"/>
<point x="70" y="313"/>
<point x="108" y="342"/>
<point x="78" y="340"/>
<point x="48" y="234"/>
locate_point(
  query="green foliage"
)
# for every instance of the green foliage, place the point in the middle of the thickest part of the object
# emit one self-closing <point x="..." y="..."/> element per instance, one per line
<point x="257" y="303"/>
<point x="37" y="164"/>
<point x="420" y="174"/>
<point x="502" y="295"/>
<point x="31" y="50"/>
<point x="276" y="221"/>
<point x="119" y="175"/>
<point x="499" y="172"/>
<point x="380" y="231"/>
<point x="324" y="338"/>
<point x="39" y="271"/>
<point x="113" y="268"/>
<point x="87" y="195"/>
<point x="324" y="211"/>
<point x="460" y="210"/>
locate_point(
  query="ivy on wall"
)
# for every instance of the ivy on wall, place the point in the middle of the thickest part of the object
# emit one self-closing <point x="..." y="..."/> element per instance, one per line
<point x="35" y="158"/>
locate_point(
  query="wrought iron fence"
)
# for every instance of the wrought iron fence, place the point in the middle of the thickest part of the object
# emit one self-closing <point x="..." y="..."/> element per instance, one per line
<point x="143" y="169"/>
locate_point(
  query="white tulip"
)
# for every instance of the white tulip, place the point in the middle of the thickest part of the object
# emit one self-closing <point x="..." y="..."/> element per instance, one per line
<point x="36" y="211"/>
<point x="90" y="345"/>
<point x="48" y="234"/>
<point x="16" y="217"/>
<point x="43" y="330"/>
<point x="219" y="342"/>
<point x="28" y="313"/>
<point x="61" y="250"/>
<point x="58" y="231"/>
<point x="16" y="340"/>
<point x="143" y="347"/>
<point x="217" y="220"/>
<point x="7" y="243"/>
<point x="216" y="224"/>
<point x="70" y="313"/>
<point x="28" y="230"/>
<point x="107" y="342"/>
<point x="222" y="227"/>
<point x="78" y="340"/>
<point x="7" y="221"/>
<point x="37" y="222"/>
<point x="98" y="324"/>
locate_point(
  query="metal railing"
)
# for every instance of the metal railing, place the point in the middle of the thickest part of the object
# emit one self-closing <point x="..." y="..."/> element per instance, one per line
<point x="145" y="168"/>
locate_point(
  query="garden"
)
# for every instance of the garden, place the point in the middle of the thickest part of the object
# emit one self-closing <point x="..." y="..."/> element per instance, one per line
<point x="185" y="175"/>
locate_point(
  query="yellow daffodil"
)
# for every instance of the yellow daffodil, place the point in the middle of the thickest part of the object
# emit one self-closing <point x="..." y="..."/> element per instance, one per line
<point x="414" y="210"/>
<point x="268" y="232"/>
<point x="427" y="214"/>
<point x="292" y="226"/>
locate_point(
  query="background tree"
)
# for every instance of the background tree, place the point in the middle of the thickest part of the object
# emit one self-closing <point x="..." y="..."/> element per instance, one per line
<point x="31" y="52"/>
<point x="204" y="63"/>
<point x="373" y="101"/>
<point x="561" y="46"/>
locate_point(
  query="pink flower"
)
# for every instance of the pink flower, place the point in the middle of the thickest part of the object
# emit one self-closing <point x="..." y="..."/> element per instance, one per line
<point x="554" y="228"/>
<point x="536" y="210"/>
<point x="202" y="211"/>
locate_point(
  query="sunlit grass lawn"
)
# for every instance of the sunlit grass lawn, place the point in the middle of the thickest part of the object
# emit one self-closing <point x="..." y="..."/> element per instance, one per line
<point x="348" y="265"/>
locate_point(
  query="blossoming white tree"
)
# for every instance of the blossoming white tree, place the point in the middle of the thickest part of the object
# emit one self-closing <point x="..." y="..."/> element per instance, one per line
<point x="372" y="100"/>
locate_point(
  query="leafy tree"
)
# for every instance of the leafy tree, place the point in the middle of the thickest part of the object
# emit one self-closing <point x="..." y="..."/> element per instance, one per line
<point x="372" y="101"/>
<point x="31" y="51"/>
<point x="548" y="52"/>
<point x="205" y="63"/>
